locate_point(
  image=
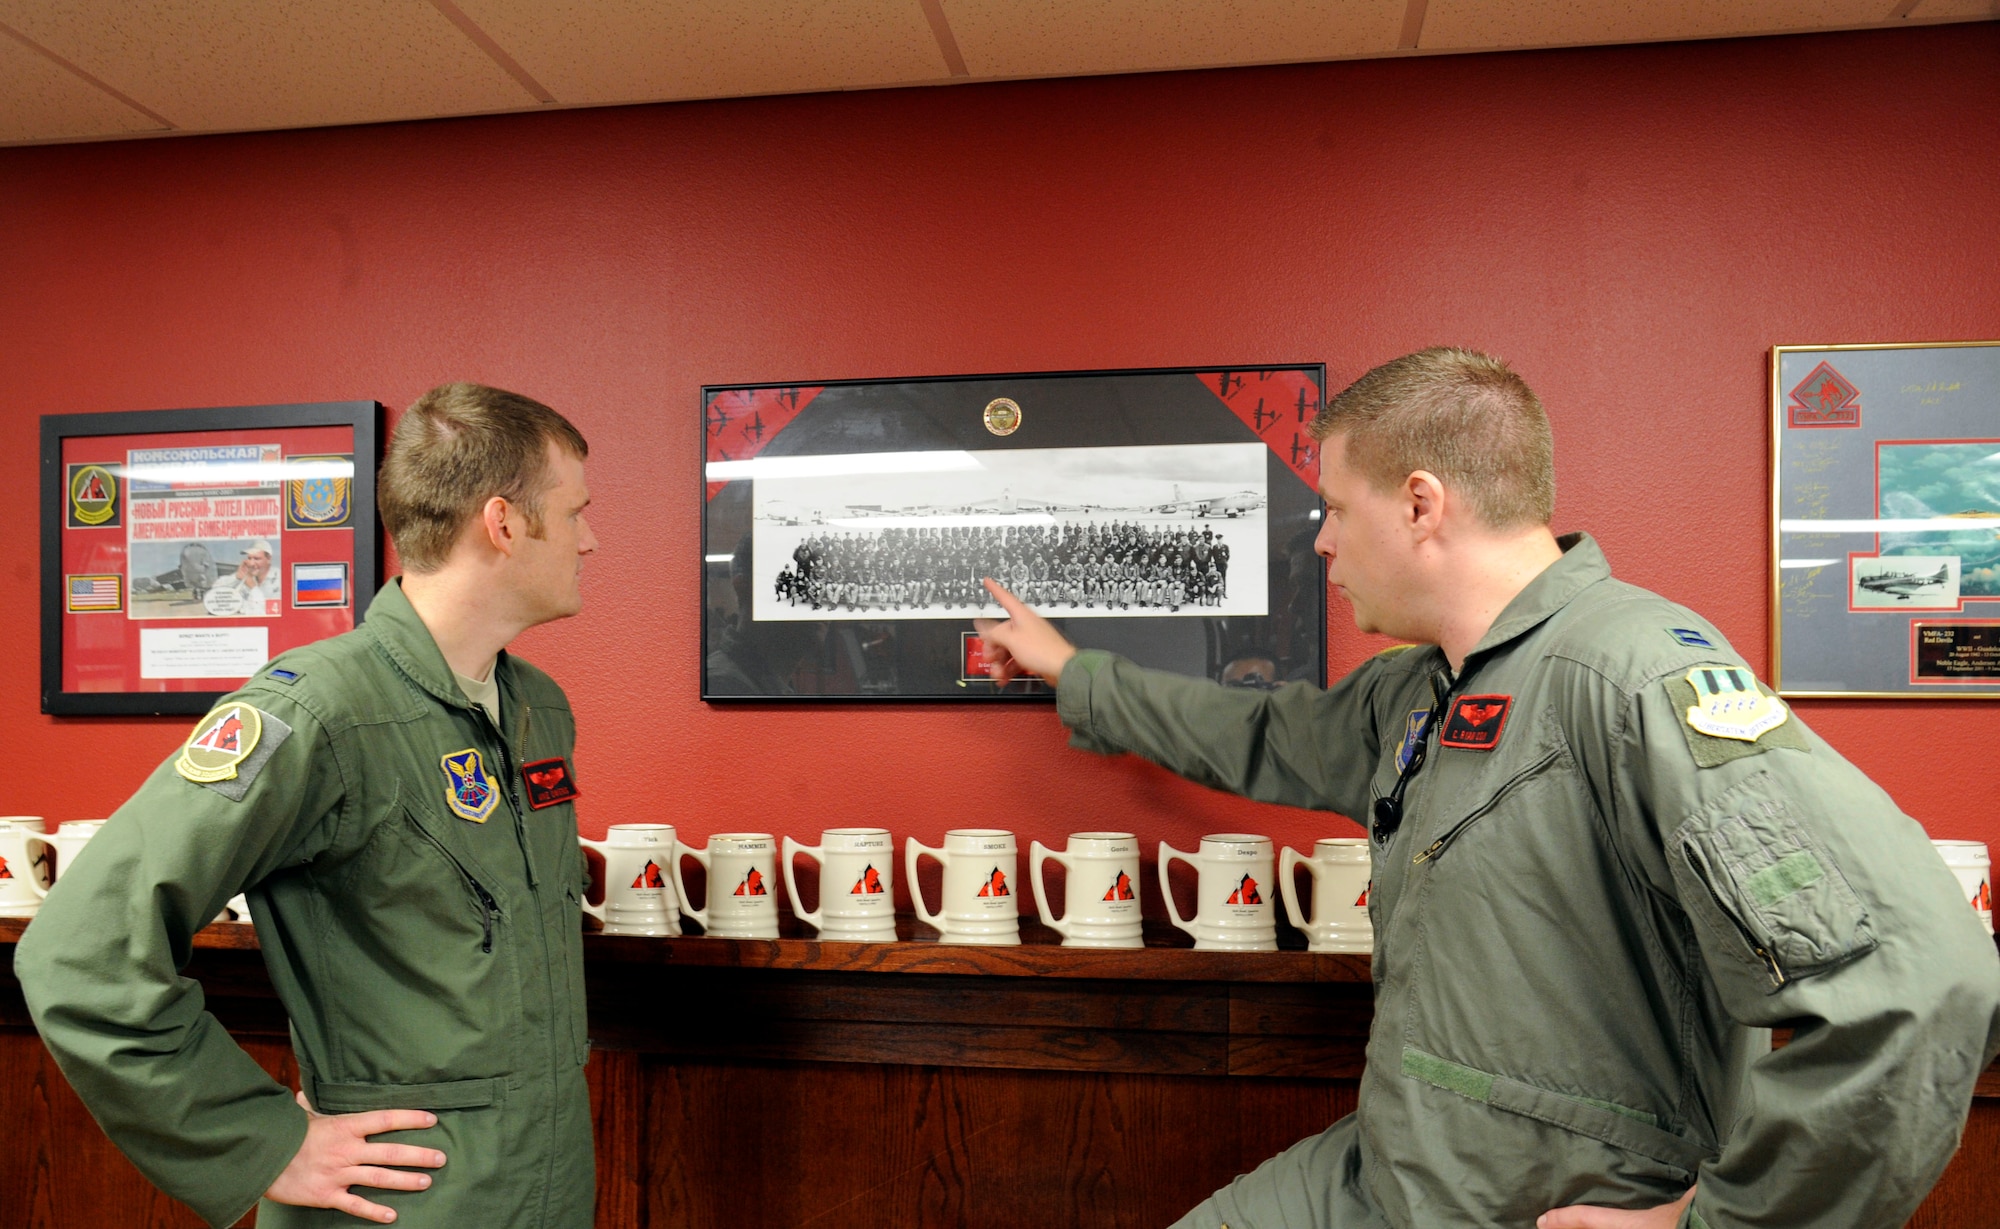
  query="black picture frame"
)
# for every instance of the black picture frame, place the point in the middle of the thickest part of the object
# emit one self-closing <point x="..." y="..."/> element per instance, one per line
<point x="364" y="418"/>
<point x="1132" y="408"/>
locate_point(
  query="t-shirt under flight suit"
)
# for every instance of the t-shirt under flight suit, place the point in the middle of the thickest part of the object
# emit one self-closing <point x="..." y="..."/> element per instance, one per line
<point x="1588" y="916"/>
<point x="416" y="901"/>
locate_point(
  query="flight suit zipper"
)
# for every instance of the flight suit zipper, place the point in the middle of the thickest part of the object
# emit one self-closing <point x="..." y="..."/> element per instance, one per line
<point x="1771" y="965"/>
<point x="1444" y="842"/>
<point x="489" y="907"/>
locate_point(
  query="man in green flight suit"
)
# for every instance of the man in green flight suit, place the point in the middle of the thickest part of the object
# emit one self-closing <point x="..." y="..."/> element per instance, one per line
<point x="1606" y="860"/>
<point x="396" y="802"/>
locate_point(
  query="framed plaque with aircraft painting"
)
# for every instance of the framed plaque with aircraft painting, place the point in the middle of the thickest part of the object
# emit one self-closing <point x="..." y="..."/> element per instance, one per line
<point x="1167" y="515"/>
<point x="1885" y="520"/>
<point x="182" y="549"/>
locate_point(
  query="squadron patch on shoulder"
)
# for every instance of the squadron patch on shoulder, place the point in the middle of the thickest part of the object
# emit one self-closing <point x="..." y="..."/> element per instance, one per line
<point x="1727" y="714"/>
<point x="221" y="741"/>
<point x="548" y="782"/>
<point x="1729" y="704"/>
<point x="469" y="790"/>
<point x="229" y="747"/>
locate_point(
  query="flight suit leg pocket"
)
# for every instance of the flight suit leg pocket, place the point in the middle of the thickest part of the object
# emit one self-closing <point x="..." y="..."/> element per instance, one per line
<point x="1764" y="892"/>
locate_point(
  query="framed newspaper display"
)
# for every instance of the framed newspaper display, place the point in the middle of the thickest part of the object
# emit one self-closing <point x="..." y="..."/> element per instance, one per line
<point x="1885" y="520"/>
<point x="182" y="549"/>
<point x="1167" y="515"/>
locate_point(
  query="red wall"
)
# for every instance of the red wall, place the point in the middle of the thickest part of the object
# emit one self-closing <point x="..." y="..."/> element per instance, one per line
<point x="1633" y="227"/>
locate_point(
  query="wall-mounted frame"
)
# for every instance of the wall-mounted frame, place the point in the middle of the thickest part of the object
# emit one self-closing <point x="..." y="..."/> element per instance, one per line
<point x="181" y="549"/>
<point x="1167" y="515"/>
<point x="1885" y="520"/>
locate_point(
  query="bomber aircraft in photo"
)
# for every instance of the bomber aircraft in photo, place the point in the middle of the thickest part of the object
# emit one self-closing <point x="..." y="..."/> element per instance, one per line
<point x="1903" y="585"/>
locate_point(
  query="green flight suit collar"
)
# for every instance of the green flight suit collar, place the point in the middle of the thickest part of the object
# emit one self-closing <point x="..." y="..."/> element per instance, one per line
<point x="1581" y="566"/>
<point x="402" y="634"/>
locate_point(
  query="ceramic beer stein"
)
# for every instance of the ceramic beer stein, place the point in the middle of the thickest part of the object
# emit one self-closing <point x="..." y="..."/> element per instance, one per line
<point x="978" y="904"/>
<point x="1233" y="910"/>
<point x="638" y="894"/>
<point x="1100" y="889"/>
<point x="857" y="899"/>
<point x="27" y="866"/>
<point x="1340" y="872"/>
<point x="742" y="869"/>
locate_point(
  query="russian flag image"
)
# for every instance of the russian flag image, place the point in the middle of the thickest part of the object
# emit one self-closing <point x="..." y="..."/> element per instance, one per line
<point x="319" y="584"/>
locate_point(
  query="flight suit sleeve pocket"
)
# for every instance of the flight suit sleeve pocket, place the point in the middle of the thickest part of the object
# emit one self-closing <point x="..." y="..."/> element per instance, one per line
<point x="445" y="1095"/>
<point x="1759" y="884"/>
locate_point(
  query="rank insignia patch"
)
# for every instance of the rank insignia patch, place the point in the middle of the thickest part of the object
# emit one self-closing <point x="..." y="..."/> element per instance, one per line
<point x="1728" y="703"/>
<point x="220" y="742"/>
<point x="1689" y="637"/>
<point x="469" y="791"/>
<point x="1413" y="732"/>
<point x="548" y="783"/>
<point x="1474" y="722"/>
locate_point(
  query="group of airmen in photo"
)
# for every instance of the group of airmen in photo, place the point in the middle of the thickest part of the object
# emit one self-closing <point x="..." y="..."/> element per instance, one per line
<point x="1121" y="565"/>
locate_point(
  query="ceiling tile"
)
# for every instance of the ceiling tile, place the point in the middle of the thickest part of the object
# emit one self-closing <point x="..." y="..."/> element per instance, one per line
<point x="42" y="101"/>
<point x="1955" y="8"/>
<point x="1466" y="24"/>
<point x="231" y="64"/>
<point x="602" y="51"/>
<point x="1045" y="38"/>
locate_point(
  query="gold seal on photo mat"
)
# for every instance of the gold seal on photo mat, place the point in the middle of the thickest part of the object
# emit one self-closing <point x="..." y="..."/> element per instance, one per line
<point x="1003" y="416"/>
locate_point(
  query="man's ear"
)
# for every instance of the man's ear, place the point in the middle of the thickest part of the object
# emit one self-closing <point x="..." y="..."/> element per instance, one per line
<point x="496" y="519"/>
<point x="1423" y="494"/>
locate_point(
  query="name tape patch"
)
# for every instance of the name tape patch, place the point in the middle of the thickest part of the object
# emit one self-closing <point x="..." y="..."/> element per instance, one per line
<point x="549" y="783"/>
<point x="1475" y="722"/>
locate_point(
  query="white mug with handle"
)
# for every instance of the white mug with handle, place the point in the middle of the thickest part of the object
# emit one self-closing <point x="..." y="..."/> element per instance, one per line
<point x="27" y="865"/>
<point x="741" y="867"/>
<point x="1233" y="909"/>
<point x="978" y="904"/>
<point x="1340" y="872"/>
<point x="857" y="895"/>
<point x="638" y="889"/>
<point x="1100" y="889"/>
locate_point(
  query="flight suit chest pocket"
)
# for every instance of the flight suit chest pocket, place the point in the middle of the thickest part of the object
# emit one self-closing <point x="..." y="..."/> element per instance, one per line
<point x="480" y="901"/>
<point x="1763" y="889"/>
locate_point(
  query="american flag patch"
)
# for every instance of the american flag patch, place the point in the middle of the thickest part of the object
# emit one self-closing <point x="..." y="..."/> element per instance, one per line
<point x="319" y="584"/>
<point x="92" y="593"/>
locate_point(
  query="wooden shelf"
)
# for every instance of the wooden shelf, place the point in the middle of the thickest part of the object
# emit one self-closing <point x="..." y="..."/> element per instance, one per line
<point x="1040" y="954"/>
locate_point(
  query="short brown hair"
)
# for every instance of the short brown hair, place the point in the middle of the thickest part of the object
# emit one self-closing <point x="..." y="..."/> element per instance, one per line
<point x="1462" y="415"/>
<point x="458" y="446"/>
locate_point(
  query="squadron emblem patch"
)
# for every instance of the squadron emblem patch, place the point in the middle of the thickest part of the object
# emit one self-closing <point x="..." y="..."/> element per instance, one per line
<point x="1728" y="703"/>
<point x="469" y="791"/>
<point x="221" y="741"/>
<point x="93" y="497"/>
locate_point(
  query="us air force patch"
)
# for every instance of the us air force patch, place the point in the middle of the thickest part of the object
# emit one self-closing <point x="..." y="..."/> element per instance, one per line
<point x="469" y="791"/>
<point x="229" y="747"/>
<point x="1413" y="730"/>
<point x="1730" y="704"/>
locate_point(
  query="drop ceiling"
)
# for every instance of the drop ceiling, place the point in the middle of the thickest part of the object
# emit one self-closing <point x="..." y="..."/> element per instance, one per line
<point x="85" y="70"/>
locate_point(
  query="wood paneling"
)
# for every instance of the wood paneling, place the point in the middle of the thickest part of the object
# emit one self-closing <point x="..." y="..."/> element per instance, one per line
<point x="793" y="1084"/>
